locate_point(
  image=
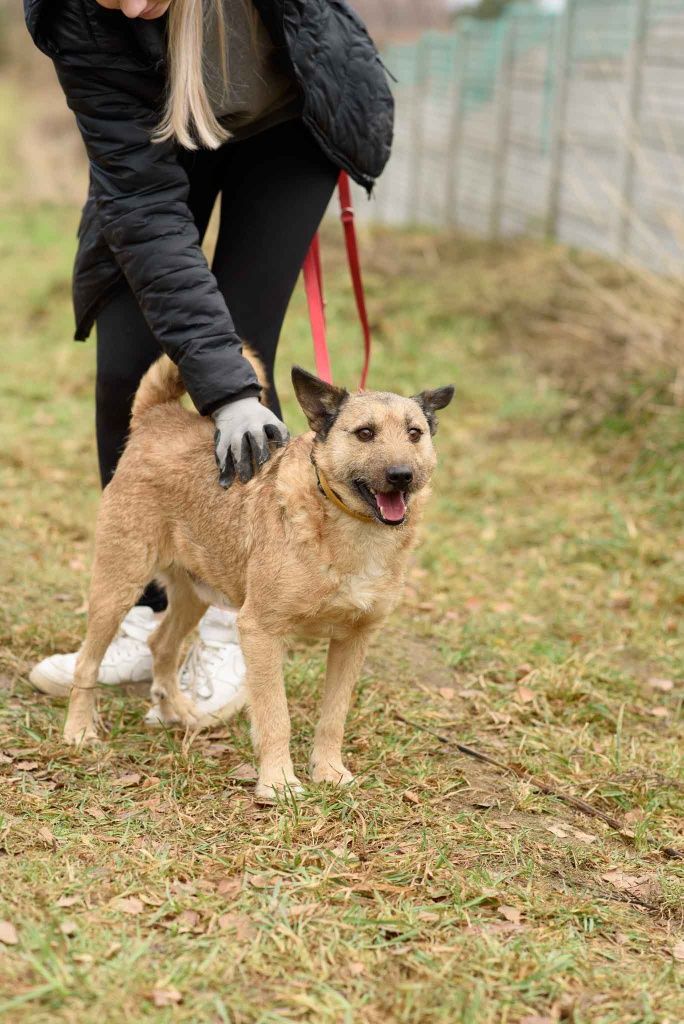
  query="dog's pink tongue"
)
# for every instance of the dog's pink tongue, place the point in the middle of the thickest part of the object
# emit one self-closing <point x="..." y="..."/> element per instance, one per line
<point x="392" y="506"/>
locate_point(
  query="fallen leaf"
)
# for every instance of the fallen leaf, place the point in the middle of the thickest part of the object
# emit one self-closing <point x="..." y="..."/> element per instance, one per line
<point x="8" y="933"/>
<point x="129" y="905"/>
<point x="26" y="766"/>
<point x="47" y="837"/>
<point x="511" y="914"/>
<point x="584" y="837"/>
<point x="96" y="812"/>
<point x="5" y="758"/>
<point x="355" y="968"/>
<point x="229" y="887"/>
<point x="658" y="712"/>
<point x="664" y="685"/>
<point x="131" y="779"/>
<point x="68" y="928"/>
<point x="241" y="923"/>
<point x="524" y="694"/>
<point x="150" y="900"/>
<point x="244" y="771"/>
<point x="447" y="692"/>
<point x="634" y="885"/>
<point x="678" y="951"/>
<point x="188" y="920"/>
<point x="166" y="997"/>
<point x="68" y="901"/>
<point x="557" y="830"/>
<point x="262" y="881"/>
<point x="410" y="797"/>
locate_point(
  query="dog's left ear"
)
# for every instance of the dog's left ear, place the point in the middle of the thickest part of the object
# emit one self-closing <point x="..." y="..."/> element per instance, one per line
<point x="321" y="402"/>
<point x="431" y="401"/>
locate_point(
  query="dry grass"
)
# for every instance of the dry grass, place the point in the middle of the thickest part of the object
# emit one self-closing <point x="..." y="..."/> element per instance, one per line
<point x="541" y="619"/>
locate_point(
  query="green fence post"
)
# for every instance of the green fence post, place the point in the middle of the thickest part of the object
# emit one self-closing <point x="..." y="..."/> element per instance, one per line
<point x="632" y="124"/>
<point x="503" y="128"/>
<point x="458" y="98"/>
<point x="418" y="125"/>
<point x="560" y="108"/>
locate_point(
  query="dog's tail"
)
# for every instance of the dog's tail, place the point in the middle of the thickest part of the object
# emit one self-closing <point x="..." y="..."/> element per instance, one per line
<point x="163" y="383"/>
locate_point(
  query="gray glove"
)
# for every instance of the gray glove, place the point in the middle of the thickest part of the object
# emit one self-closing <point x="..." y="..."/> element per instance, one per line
<point x="243" y="431"/>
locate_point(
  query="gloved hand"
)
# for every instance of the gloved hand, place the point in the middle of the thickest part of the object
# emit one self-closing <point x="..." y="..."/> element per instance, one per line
<point x="243" y="430"/>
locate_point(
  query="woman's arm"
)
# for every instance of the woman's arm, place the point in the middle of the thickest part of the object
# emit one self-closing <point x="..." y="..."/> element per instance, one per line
<point x="141" y="192"/>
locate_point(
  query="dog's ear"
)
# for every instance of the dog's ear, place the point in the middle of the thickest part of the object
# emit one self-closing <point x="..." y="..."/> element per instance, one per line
<point x="431" y="401"/>
<point x="321" y="402"/>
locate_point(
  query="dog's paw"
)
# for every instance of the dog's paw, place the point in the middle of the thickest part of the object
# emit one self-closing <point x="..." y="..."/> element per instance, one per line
<point x="79" y="735"/>
<point x="158" y="718"/>
<point x="172" y="710"/>
<point x="269" y="791"/>
<point x="329" y="770"/>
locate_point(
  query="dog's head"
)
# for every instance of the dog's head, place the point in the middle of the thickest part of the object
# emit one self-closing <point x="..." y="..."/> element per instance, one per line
<point x="375" y="448"/>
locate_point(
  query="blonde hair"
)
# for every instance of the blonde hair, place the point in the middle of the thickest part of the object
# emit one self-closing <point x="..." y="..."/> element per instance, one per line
<point x="188" y="117"/>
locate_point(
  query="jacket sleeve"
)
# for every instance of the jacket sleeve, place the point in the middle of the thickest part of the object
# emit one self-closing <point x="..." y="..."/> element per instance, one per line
<point x="141" y="194"/>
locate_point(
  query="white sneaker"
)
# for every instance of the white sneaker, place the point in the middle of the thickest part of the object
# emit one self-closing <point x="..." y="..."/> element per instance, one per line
<point x="128" y="659"/>
<point x="213" y="674"/>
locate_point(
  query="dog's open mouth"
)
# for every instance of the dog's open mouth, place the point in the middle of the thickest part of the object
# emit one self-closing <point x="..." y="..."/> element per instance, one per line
<point x="389" y="507"/>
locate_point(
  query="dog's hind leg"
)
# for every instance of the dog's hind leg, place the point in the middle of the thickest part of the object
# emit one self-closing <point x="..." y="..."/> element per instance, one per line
<point x="345" y="661"/>
<point x="263" y="653"/>
<point x="124" y="561"/>
<point x="108" y="605"/>
<point x="183" y="613"/>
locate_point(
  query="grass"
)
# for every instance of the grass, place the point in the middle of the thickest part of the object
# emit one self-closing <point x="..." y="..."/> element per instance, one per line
<point x="542" y="625"/>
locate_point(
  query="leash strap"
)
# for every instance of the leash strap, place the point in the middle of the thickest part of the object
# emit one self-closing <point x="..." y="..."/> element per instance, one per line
<point x="313" y="284"/>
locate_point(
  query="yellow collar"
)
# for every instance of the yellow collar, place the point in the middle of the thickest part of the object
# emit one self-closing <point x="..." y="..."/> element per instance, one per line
<point x="336" y="500"/>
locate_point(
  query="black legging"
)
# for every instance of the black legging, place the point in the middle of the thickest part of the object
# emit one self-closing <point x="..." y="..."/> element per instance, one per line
<point x="274" y="190"/>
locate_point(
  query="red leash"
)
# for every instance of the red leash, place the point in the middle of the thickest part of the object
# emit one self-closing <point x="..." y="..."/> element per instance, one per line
<point x="313" y="283"/>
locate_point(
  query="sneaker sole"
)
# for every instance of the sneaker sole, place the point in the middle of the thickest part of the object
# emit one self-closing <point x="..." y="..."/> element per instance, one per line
<point x="54" y="689"/>
<point x="49" y="686"/>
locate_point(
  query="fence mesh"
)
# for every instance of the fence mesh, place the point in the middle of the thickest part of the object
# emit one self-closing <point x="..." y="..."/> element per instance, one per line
<point x="568" y="126"/>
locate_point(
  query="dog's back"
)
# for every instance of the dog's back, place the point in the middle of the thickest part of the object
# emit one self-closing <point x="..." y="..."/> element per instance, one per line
<point x="163" y="384"/>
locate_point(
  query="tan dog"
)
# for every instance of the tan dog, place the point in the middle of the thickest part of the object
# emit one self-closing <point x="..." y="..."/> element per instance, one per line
<point x="316" y="544"/>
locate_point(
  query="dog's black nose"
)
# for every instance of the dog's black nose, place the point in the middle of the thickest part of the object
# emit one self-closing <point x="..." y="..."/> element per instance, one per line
<point x="399" y="476"/>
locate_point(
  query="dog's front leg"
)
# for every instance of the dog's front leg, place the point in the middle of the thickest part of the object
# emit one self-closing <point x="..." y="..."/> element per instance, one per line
<point x="345" y="661"/>
<point x="269" y="716"/>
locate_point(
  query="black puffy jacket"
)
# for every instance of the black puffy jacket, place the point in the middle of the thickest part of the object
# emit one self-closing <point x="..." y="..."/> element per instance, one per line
<point x="136" y="221"/>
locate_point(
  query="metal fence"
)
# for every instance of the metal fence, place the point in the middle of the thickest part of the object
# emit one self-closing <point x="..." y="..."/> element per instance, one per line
<point x="568" y="126"/>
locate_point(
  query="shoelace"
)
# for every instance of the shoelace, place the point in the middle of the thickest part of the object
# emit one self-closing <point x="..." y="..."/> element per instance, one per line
<point x="125" y="647"/>
<point x="196" y="666"/>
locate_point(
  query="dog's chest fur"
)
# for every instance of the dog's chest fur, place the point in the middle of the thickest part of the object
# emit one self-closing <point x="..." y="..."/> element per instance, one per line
<point x="368" y="581"/>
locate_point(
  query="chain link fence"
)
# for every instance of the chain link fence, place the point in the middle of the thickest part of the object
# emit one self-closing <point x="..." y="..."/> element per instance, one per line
<point x="568" y="126"/>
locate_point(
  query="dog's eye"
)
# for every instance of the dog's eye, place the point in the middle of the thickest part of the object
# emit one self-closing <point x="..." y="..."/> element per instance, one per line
<point x="415" y="434"/>
<point x="365" y="434"/>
